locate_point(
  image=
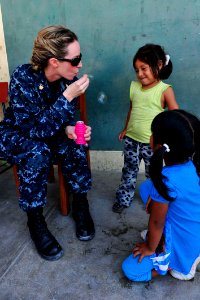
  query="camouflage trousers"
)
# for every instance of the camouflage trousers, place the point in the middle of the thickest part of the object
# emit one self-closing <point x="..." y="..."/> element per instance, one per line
<point x="34" y="158"/>
<point x="134" y="152"/>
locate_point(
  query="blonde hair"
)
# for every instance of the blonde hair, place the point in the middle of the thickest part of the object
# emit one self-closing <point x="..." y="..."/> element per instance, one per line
<point x="51" y="41"/>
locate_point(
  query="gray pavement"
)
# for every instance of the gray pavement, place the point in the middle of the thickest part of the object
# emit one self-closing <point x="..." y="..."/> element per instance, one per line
<point x="88" y="270"/>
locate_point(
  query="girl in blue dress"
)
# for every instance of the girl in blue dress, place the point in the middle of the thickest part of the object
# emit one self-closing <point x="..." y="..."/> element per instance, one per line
<point x="172" y="198"/>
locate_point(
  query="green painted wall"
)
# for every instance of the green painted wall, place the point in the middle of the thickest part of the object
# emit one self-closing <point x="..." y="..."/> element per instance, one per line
<point x="110" y="32"/>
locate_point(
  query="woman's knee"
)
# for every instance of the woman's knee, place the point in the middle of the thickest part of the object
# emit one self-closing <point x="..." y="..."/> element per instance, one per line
<point x="34" y="153"/>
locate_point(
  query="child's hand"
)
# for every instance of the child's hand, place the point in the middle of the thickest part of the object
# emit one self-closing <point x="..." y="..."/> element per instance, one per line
<point x="122" y="134"/>
<point x="143" y="250"/>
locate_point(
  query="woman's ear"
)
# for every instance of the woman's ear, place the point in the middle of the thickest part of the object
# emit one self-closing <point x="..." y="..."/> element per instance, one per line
<point x="53" y="62"/>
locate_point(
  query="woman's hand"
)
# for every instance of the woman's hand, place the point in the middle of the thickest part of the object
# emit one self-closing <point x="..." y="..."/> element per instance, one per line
<point x="87" y="134"/>
<point x="77" y="88"/>
<point x="70" y="132"/>
<point x="142" y="250"/>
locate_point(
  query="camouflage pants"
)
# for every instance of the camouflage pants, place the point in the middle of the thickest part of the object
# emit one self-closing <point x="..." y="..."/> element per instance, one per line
<point x="34" y="158"/>
<point x="134" y="152"/>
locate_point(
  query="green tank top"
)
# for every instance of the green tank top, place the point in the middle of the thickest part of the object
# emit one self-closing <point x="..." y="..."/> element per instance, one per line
<point x="146" y="104"/>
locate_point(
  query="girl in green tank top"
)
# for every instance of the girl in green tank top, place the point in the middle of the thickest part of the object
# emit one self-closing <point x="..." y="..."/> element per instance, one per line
<point x="148" y="97"/>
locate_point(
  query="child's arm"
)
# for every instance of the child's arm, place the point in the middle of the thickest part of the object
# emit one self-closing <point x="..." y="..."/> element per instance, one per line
<point x="123" y="132"/>
<point x="156" y="224"/>
<point x="158" y="212"/>
<point x="169" y="100"/>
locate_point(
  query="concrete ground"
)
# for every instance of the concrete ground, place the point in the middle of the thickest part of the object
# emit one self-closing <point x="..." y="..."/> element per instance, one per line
<point x="88" y="270"/>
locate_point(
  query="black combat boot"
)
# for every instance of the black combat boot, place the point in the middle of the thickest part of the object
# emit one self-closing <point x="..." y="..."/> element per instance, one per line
<point x="46" y="245"/>
<point x="80" y="212"/>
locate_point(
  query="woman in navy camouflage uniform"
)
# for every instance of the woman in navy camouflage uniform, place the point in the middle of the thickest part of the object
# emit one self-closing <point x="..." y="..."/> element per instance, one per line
<point x="39" y="126"/>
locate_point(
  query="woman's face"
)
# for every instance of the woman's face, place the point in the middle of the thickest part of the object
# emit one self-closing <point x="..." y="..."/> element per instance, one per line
<point x="65" y="69"/>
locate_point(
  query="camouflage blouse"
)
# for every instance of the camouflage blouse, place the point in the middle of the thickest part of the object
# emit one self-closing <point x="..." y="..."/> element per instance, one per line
<point x="38" y="108"/>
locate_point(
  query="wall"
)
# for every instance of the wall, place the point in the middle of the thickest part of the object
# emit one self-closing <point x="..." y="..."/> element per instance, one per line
<point x="110" y="32"/>
<point x="4" y="71"/>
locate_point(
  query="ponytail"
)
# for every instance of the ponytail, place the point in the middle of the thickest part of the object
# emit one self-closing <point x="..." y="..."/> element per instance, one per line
<point x="166" y="70"/>
<point x="155" y="172"/>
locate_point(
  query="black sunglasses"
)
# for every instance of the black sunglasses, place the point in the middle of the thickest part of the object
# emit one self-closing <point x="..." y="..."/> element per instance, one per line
<point x="74" y="61"/>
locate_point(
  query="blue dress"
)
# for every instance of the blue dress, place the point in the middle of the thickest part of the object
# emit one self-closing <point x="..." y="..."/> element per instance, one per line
<point x="182" y="228"/>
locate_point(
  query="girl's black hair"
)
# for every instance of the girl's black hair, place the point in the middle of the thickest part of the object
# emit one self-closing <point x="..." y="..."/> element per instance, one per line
<point x="195" y="123"/>
<point x="152" y="54"/>
<point x="180" y="130"/>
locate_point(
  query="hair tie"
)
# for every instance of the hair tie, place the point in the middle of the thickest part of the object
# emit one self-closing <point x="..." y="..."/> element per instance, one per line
<point x="167" y="59"/>
<point x="167" y="149"/>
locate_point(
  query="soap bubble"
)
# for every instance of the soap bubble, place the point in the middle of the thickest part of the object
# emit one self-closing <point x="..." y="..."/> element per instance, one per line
<point x="91" y="77"/>
<point x="102" y="98"/>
